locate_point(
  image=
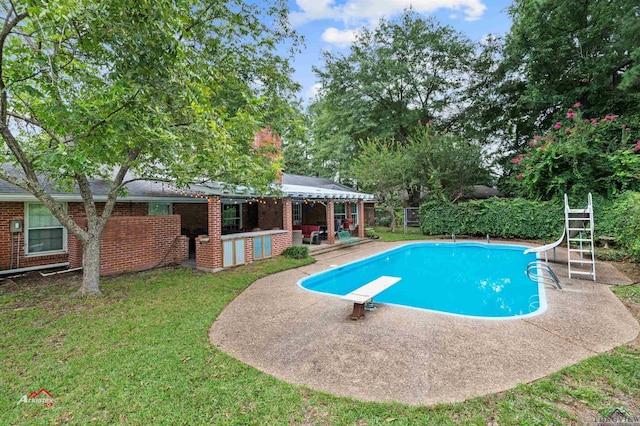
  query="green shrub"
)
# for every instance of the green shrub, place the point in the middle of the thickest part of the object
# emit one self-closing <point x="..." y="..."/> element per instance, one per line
<point x="621" y="221"/>
<point x="497" y="217"/>
<point x="297" y="252"/>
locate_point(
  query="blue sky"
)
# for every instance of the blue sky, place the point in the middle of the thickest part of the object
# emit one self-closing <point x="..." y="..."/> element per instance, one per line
<point x="332" y="24"/>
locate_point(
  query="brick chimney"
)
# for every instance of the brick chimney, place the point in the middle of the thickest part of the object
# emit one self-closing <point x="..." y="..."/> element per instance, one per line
<point x="269" y="140"/>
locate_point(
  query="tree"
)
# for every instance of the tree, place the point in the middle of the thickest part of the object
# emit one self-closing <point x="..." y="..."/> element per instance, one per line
<point x="438" y="165"/>
<point x="378" y="169"/>
<point x="562" y="52"/>
<point x="162" y="89"/>
<point x="443" y="165"/>
<point x="400" y="72"/>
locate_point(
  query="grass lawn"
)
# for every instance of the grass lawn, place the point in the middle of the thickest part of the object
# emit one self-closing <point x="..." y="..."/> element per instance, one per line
<point x="140" y="355"/>
<point x="413" y="233"/>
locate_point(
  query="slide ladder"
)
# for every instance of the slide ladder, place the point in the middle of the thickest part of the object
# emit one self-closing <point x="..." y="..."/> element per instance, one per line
<point x="579" y="231"/>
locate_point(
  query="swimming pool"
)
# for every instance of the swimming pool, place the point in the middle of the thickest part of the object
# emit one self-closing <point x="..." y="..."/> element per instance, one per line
<point x="468" y="279"/>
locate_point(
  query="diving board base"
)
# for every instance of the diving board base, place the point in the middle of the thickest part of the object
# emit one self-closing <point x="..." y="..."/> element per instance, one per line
<point x="358" y="311"/>
<point x="364" y="294"/>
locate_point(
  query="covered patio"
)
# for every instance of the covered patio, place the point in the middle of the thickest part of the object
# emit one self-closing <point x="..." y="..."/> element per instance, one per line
<point x="242" y="227"/>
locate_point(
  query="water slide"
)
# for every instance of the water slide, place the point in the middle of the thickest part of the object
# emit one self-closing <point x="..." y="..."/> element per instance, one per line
<point x="544" y="249"/>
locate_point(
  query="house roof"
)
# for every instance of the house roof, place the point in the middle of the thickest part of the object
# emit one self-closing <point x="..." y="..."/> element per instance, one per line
<point x="314" y="182"/>
<point x="297" y="186"/>
<point x="145" y="190"/>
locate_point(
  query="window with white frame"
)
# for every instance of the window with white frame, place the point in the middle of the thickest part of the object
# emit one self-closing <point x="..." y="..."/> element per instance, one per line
<point x="297" y="213"/>
<point x="231" y="217"/>
<point x="159" y="209"/>
<point x="354" y="213"/>
<point x="339" y="211"/>
<point x="43" y="232"/>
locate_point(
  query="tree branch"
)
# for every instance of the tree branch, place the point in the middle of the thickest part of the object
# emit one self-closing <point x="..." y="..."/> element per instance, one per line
<point x="111" y="114"/>
<point x="35" y="122"/>
<point x="118" y="183"/>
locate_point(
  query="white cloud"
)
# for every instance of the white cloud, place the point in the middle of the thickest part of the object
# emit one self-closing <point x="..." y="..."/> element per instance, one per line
<point x="372" y="10"/>
<point x="313" y="91"/>
<point x="341" y="38"/>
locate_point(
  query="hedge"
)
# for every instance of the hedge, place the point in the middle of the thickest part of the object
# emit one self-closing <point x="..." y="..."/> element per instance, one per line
<point x="533" y="220"/>
<point x="622" y="221"/>
<point x="497" y="217"/>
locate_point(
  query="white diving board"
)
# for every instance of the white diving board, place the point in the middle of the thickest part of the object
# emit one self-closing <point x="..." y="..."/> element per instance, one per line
<point x="363" y="294"/>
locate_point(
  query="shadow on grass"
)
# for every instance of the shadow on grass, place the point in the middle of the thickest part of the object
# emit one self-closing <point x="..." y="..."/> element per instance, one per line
<point x="140" y="355"/>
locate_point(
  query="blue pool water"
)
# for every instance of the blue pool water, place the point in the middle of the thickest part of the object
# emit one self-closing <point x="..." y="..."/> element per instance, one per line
<point x="470" y="279"/>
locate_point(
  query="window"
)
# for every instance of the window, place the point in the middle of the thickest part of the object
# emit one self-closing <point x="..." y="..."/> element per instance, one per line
<point x="354" y="213"/>
<point x="44" y="233"/>
<point x="297" y="213"/>
<point x="231" y="217"/>
<point x="159" y="209"/>
<point x="339" y="211"/>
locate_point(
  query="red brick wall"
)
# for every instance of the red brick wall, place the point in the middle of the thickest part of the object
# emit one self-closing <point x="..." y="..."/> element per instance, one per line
<point x="124" y="208"/>
<point x="209" y="253"/>
<point x="141" y="240"/>
<point x="360" y="218"/>
<point x="280" y="242"/>
<point x="194" y="217"/>
<point x="331" y="229"/>
<point x="314" y="214"/>
<point x="136" y="243"/>
<point x="15" y="211"/>
<point x="287" y="219"/>
<point x="270" y="214"/>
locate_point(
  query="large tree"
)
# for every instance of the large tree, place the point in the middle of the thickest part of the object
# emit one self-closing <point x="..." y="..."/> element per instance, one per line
<point x="436" y="165"/>
<point x="562" y="52"/>
<point x="152" y="89"/>
<point x="394" y="75"/>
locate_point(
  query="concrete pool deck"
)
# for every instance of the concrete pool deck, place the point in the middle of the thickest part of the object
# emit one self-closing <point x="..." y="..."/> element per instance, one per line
<point x="413" y="356"/>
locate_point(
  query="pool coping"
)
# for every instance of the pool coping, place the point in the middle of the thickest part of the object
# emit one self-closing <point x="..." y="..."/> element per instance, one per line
<point x="412" y="356"/>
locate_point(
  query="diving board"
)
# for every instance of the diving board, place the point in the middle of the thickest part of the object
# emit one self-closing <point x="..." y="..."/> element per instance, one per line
<point x="364" y="294"/>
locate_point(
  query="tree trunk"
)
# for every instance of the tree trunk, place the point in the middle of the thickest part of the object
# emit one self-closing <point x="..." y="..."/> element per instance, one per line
<point x="393" y="223"/>
<point x="91" y="269"/>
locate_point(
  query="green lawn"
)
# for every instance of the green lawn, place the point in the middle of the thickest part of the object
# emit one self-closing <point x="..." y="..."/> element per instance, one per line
<point x="385" y="234"/>
<point x="140" y="355"/>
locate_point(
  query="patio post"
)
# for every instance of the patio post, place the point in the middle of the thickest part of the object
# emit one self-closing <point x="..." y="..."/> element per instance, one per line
<point x="287" y="218"/>
<point x="331" y="230"/>
<point x="209" y="247"/>
<point x="360" y="218"/>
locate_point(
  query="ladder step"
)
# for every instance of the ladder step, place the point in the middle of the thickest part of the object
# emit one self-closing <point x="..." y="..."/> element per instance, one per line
<point x="582" y="272"/>
<point x="582" y="261"/>
<point x="583" y="211"/>
<point x="583" y="250"/>
<point x="580" y="239"/>
<point x="580" y="229"/>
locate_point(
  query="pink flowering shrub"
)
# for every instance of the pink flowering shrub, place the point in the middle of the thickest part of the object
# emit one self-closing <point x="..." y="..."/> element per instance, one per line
<point x="579" y="155"/>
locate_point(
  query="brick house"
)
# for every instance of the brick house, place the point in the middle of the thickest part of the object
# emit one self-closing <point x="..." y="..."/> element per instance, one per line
<point x="156" y="225"/>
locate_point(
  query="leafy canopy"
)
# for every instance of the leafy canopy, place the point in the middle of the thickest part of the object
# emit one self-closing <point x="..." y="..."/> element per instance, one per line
<point x="561" y="52"/>
<point x="395" y="74"/>
<point x="171" y="88"/>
